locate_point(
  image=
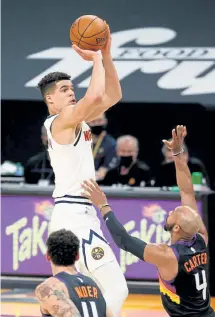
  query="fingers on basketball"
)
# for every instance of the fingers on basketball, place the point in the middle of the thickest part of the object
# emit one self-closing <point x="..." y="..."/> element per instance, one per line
<point x="75" y="47"/>
<point x="108" y="35"/>
<point x="108" y="31"/>
<point x="78" y="50"/>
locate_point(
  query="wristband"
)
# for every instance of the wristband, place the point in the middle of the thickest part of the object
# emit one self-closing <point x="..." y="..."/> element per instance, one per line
<point x="176" y="154"/>
<point x="104" y="205"/>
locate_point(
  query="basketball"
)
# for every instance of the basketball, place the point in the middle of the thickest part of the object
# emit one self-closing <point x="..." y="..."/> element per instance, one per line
<point x="89" y="32"/>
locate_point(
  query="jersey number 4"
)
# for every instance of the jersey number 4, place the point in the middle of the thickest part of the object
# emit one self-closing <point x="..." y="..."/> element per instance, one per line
<point x="201" y="287"/>
<point x="86" y="310"/>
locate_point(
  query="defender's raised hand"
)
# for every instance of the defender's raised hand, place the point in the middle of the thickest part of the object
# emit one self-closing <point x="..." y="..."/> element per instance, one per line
<point x="94" y="193"/>
<point x="178" y="135"/>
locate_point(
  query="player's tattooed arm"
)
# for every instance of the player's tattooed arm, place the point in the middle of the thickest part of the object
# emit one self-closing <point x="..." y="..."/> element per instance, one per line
<point x="54" y="301"/>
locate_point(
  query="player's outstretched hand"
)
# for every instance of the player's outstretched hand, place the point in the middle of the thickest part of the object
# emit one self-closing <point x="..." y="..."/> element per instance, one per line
<point x="87" y="55"/>
<point x="94" y="193"/>
<point x="106" y="48"/>
<point x="178" y="135"/>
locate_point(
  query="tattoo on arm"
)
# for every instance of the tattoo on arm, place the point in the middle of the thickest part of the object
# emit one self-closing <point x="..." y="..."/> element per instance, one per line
<point x="61" y="311"/>
<point x="55" y="301"/>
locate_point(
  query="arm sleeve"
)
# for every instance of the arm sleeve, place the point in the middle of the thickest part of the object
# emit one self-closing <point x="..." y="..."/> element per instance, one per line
<point x="122" y="239"/>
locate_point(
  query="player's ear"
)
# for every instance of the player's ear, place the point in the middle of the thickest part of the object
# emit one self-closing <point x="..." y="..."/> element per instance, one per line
<point x="48" y="99"/>
<point x="77" y="257"/>
<point x="48" y="257"/>
<point x="176" y="228"/>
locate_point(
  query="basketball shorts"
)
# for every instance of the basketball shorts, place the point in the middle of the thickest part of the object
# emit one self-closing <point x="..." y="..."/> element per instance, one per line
<point x="79" y="216"/>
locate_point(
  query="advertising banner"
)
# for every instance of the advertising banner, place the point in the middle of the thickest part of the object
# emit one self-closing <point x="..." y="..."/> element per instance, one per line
<point x="163" y="51"/>
<point x="25" y="225"/>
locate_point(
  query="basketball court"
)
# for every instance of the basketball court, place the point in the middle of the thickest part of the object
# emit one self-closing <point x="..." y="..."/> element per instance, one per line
<point x="22" y="303"/>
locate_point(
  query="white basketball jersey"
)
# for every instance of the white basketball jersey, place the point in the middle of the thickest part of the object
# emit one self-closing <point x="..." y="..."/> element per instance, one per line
<point x="72" y="163"/>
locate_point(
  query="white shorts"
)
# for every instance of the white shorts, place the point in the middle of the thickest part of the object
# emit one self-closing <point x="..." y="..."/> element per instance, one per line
<point x="82" y="220"/>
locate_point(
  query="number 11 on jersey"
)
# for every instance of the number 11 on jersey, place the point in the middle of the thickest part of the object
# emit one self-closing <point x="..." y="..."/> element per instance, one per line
<point x="86" y="312"/>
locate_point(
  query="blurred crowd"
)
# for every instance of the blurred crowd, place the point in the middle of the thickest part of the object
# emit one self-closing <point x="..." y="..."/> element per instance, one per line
<point x="117" y="162"/>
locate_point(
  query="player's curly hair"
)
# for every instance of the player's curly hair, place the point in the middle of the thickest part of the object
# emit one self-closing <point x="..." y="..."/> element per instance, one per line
<point x="63" y="247"/>
<point x="50" y="80"/>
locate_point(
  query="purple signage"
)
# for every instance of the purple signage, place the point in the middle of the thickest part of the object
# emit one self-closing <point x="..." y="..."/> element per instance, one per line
<point x="25" y="225"/>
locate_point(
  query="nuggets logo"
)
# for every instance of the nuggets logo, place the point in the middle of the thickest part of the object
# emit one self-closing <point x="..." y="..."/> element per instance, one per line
<point x="97" y="253"/>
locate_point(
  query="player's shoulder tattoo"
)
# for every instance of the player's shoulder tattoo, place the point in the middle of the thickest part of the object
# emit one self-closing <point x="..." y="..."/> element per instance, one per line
<point x="53" y="298"/>
<point x="46" y="290"/>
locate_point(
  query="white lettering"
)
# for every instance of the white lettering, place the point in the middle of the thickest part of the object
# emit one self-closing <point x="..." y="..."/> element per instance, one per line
<point x="181" y="53"/>
<point x="183" y="65"/>
<point x="190" y="70"/>
<point x="70" y="62"/>
<point x="28" y="241"/>
<point x="202" y="85"/>
<point x="14" y="229"/>
<point x="25" y="248"/>
<point x="38" y="236"/>
<point x="126" y="258"/>
<point x="147" y="233"/>
<point x="152" y="233"/>
<point x="159" y="231"/>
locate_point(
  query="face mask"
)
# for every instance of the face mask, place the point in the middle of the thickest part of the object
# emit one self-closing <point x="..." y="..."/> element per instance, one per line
<point x="97" y="129"/>
<point x="126" y="161"/>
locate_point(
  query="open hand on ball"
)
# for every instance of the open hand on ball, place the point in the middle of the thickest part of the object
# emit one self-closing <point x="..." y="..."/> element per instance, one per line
<point x="87" y="55"/>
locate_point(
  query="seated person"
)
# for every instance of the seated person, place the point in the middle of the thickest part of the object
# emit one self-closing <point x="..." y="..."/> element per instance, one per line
<point x="38" y="168"/>
<point x="130" y="171"/>
<point x="165" y="176"/>
<point x="104" y="147"/>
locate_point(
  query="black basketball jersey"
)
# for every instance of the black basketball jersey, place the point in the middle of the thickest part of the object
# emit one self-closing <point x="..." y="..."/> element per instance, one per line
<point x="84" y="293"/>
<point x="188" y="294"/>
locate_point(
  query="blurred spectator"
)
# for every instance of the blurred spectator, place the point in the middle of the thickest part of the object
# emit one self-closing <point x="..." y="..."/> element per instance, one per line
<point x="165" y="176"/>
<point x="130" y="171"/>
<point x="38" y="168"/>
<point x="104" y="147"/>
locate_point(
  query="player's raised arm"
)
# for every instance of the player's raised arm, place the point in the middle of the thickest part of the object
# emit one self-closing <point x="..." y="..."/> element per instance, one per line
<point x="71" y="116"/>
<point x="152" y="253"/>
<point x="54" y="301"/>
<point x="183" y="175"/>
<point x="113" y="92"/>
<point x="110" y="82"/>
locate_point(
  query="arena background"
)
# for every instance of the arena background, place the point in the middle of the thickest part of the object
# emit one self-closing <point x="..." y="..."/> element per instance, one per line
<point x="165" y="56"/>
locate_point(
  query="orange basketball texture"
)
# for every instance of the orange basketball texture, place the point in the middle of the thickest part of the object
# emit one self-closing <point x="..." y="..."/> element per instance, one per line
<point x="89" y="32"/>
